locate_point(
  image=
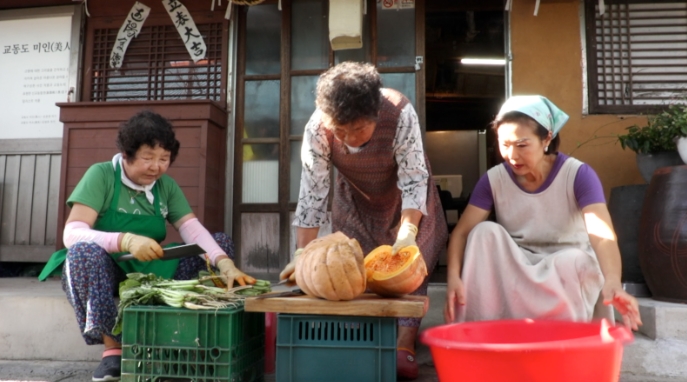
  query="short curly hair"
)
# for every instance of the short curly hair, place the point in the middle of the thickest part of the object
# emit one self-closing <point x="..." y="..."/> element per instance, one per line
<point x="350" y="91"/>
<point x="147" y="128"/>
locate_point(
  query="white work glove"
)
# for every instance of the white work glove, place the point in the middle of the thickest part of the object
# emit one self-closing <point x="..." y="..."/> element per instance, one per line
<point x="143" y="248"/>
<point x="406" y="237"/>
<point x="289" y="271"/>
<point x="229" y="273"/>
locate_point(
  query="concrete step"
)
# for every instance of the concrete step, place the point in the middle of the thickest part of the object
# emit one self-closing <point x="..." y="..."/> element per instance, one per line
<point x="37" y="323"/>
<point x="663" y="320"/>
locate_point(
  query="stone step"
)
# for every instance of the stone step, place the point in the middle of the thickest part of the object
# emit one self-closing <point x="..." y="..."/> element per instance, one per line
<point x="663" y="320"/>
<point x="37" y="323"/>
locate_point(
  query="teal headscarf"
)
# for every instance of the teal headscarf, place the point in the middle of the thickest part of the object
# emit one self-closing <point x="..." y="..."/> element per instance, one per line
<point x="538" y="108"/>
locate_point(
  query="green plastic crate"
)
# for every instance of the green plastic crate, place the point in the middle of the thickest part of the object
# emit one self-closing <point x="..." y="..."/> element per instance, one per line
<point x="335" y="348"/>
<point x="161" y="343"/>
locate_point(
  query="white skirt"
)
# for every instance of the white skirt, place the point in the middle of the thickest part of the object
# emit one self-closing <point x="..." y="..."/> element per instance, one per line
<point x="505" y="281"/>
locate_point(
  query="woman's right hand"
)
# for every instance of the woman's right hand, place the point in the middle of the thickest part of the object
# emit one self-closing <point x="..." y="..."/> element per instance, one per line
<point x="143" y="248"/>
<point x="289" y="271"/>
<point x="455" y="295"/>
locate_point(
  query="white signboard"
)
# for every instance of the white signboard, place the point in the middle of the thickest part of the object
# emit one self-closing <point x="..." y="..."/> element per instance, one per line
<point x="34" y="73"/>
<point x="397" y="4"/>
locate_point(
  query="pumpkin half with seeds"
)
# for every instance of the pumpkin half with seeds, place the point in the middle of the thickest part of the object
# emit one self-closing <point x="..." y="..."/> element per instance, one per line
<point x="331" y="267"/>
<point x="395" y="275"/>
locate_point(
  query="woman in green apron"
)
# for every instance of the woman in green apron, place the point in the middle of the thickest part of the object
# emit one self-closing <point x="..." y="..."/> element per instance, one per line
<point x="122" y="206"/>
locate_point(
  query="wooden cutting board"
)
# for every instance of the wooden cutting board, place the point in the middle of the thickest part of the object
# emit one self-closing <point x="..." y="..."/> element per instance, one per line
<point x="366" y="304"/>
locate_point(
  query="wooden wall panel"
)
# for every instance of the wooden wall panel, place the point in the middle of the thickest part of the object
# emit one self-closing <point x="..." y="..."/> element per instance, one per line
<point x="29" y="185"/>
<point x="53" y="200"/>
<point x="27" y="168"/>
<point x="3" y="164"/>
<point x="184" y="176"/>
<point x="189" y="135"/>
<point x="86" y="157"/>
<point x="39" y="205"/>
<point x="88" y="137"/>
<point x="91" y="128"/>
<point x="9" y="199"/>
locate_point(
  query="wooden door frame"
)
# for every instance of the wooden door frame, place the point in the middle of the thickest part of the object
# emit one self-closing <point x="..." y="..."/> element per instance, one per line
<point x="283" y="207"/>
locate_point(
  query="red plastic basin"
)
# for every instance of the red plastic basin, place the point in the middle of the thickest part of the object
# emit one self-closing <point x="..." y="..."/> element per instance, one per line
<point x="527" y="350"/>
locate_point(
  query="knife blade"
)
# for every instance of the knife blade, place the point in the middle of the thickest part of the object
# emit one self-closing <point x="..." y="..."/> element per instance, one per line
<point x="288" y="293"/>
<point x="178" y="252"/>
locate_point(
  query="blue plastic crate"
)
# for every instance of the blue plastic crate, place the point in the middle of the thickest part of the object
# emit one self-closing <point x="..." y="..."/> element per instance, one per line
<point x="335" y="348"/>
<point x="165" y="343"/>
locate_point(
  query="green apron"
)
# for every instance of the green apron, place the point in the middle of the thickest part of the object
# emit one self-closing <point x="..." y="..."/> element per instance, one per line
<point x="152" y="226"/>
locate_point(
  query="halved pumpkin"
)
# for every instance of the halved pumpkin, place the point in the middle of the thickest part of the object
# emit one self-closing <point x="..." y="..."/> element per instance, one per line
<point x="394" y="275"/>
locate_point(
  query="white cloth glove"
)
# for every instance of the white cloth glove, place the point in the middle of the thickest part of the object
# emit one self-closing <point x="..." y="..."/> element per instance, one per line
<point x="406" y="237"/>
<point x="289" y="271"/>
<point x="143" y="248"/>
<point x="229" y="273"/>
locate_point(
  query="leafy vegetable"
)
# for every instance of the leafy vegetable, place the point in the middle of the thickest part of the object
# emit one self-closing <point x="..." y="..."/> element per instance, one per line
<point x="148" y="289"/>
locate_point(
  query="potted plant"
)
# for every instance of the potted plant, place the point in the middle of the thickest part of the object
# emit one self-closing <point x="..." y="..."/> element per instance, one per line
<point x="656" y="144"/>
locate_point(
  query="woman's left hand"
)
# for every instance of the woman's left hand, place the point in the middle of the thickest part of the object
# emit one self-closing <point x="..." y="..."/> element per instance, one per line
<point x="230" y="273"/>
<point x="625" y="303"/>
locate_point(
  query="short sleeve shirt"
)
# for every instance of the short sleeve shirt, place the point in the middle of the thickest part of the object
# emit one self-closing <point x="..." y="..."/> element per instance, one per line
<point x="96" y="190"/>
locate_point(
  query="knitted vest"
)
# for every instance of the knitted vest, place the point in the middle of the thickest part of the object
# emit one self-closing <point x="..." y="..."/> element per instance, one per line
<point x="367" y="201"/>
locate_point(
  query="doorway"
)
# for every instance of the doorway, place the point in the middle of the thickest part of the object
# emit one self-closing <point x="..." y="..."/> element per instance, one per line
<point x="462" y="96"/>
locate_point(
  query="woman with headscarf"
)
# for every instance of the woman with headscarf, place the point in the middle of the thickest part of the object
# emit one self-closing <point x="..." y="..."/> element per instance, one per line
<point x="552" y="252"/>
<point x="384" y="192"/>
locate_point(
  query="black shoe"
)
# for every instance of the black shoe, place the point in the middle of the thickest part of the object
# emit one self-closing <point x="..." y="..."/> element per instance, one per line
<point x="110" y="369"/>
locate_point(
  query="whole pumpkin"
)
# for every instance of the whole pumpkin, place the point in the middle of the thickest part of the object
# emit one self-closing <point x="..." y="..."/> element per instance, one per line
<point x="395" y="275"/>
<point x="331" y="267"/>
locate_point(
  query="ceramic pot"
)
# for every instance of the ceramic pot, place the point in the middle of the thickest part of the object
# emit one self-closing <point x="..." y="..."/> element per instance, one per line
<point x="682" y="148"/>
<point x="625" y="207"/>
<point x="663" y="235"/>
<point x="648" y="163"/>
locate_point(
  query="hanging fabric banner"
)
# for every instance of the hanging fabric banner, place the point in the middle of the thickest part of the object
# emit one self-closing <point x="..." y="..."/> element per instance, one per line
<point x="187" y="29"/>
<point x="130" y="29"/>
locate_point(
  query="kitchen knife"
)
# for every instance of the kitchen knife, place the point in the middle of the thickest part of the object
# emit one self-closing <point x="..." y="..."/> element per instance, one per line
<point x="170" y="253"/>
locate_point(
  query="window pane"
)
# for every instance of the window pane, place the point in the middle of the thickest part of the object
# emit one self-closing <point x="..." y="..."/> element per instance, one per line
<point x="261" y="109"/>
<point x="296" y="167"/>
<point x="263" y="39"/>
<point x="260" y="173"/>
<point x="302" y="102"/>
<point x="309" y="35"/>
<point x="260" y="253"/>
<point x="395" y="37"/>
<point x="403" y="82"/>
<point x="639" y="55"/>
<point x="358" y="55"/>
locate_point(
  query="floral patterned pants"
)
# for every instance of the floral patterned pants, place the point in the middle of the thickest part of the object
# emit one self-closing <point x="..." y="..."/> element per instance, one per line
<point x="94" y="281"/>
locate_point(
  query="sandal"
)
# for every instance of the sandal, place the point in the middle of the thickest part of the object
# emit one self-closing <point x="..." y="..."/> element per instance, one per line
<point x="406" y="367"/>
